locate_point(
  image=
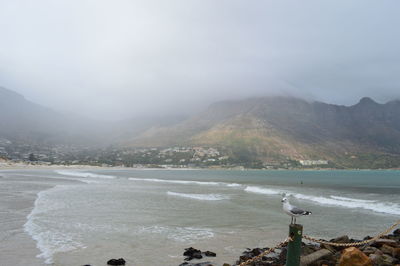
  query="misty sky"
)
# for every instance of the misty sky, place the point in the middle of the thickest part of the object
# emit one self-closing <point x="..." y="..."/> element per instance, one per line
<point x="120" y="58"/>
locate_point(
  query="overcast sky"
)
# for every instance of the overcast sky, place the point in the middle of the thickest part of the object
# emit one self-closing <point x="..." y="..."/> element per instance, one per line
<point x="120" y="58"/>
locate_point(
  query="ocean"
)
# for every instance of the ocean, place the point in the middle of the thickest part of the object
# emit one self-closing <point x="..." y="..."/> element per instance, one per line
<point x="148" y="217"/>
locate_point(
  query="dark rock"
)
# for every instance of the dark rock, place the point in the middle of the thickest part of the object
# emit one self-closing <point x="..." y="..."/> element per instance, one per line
<point x="396" y="253"/>
<point x="116" y="262"/>
<point x="210" y="254"/>
<point x="256" y="251"/>
<point x="328" y="247"/>
<point x="381" y="260"/>
<point x="192" y="253"/>
<point x="387" y="249"/>
<point x="380" y="242"/>
<point x="341" y="239"/>
<point x="369" y="250"/>
<point x="307" y="249"/>
<point x="324" y="263"/>
<point x="396" y="232"/>
<point x="197" y="264"/>
<point x="282" y="256"/>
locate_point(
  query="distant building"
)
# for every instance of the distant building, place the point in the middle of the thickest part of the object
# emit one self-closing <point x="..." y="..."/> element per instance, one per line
<point x="313" y="162"/>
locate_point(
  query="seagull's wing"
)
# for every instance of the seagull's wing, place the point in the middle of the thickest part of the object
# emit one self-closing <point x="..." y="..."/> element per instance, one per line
<point x="296" y="210"/>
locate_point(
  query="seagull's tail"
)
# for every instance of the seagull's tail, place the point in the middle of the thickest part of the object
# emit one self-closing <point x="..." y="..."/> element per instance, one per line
<point x="307" y="213"/>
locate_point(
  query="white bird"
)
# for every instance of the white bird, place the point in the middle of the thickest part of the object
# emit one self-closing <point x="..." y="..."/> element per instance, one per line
<point x="293" y="211"/>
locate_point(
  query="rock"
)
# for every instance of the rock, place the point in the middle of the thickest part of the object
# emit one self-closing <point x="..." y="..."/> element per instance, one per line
<point x="328" y="247"/>
<point x="313" y="257"/>
<point x="282" y="256"/>
<point x="117" y="262"/>
<point x="396" y="232"/>
<point x="210" y="254"/>
<point x="324" y="263"/>
<point x="387" y="249"/>
<point x="197" y="264"/>
<point x="396" y="253"/>
<point x="369" y="250"/>
<point x="381" y="260"/>
<point x="256" y="251"/>
<point x="192" y="253"/>
<point x="341" y="239"/>
<point x="226" y="264"/>
<point x="307" y="249"/>
<point x="380" y="242"/>
<point x="354" y="257"/>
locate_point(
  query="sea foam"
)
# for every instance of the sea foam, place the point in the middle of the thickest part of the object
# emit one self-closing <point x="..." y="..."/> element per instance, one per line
<point x="352" y="203"/>
<point x="48" y="241"/>
<point x="261" y="190"/>
<point x="209" y="197"/>
<point x="185" y="182"/>
<point x="333" y="200"/>
<point x="179" y="234"/>
<point x="83" y="174"/>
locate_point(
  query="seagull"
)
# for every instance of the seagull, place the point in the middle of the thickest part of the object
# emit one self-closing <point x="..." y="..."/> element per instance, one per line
<point x="293" y="211"/>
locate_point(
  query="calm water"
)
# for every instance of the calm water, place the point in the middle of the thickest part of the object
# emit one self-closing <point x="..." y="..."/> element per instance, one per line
<point x="149" y="216"/>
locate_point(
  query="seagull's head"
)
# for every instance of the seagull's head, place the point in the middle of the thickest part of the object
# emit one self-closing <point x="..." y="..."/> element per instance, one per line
<point x="284" y="200"/>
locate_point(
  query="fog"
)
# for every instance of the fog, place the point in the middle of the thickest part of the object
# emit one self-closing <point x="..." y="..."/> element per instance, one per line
<point x="119" y="59"/>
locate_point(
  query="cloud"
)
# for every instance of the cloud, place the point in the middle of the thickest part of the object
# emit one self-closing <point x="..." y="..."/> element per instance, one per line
<point x="122" y="58"/>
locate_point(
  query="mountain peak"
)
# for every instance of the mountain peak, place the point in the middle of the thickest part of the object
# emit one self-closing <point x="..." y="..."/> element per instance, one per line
<point x="366" y="101"/>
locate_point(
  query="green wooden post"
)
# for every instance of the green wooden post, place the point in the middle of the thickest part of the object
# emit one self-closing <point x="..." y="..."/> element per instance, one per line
<point x="294" y="247"/>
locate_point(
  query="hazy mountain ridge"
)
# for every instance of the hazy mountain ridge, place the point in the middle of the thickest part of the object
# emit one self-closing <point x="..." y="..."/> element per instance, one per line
<point x="265" y="129"/>
<point x="24" y="121"/>
<point x="276" y="128"/>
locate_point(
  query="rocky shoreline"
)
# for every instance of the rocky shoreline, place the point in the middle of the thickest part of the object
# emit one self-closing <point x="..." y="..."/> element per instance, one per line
<point x="382" y="252"/>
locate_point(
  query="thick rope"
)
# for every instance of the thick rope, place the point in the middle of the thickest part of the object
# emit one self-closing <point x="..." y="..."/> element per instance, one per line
<point x="350" y="244"/>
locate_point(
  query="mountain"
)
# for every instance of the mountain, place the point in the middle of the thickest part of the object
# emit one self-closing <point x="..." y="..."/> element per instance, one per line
<point x="24" y="120"/>
<point x="27" y="122"/>
<point x="267" y="130"/>
<point x="273" y="129"/>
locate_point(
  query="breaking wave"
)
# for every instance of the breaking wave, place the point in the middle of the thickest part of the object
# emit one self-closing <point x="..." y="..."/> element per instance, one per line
<point x="83" y="174"/>
<point x="180" y="234"/>
<point x="185" y="182"/>
<point x="371" y="205"/>
<point x="334" y="201"/>
<point x="260" y="190"/>
<point x="48" y="241"/>
<point x="211" y="197"/>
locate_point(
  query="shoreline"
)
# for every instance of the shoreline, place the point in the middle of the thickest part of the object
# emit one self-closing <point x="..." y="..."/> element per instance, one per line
<point x="18" y="196"/>
<point x="7" y="165"/>
<point x="19" y="248"/>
